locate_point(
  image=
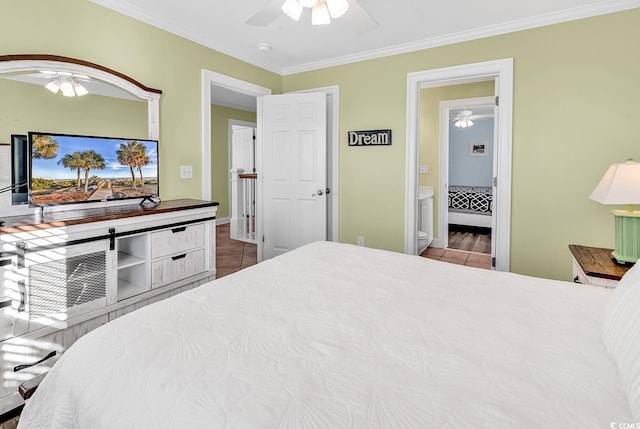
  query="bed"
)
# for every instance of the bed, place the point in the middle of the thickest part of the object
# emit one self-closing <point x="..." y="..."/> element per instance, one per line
<point x="339" y="336"/>
<point x="470" y="205"/>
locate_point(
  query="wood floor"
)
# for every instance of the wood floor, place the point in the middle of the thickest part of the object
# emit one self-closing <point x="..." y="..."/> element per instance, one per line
<point x="470" y="238"/>
<point x="10" y="419"/>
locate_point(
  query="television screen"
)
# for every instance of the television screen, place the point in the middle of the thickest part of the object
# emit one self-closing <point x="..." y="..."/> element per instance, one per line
<point x="70" y="169"/>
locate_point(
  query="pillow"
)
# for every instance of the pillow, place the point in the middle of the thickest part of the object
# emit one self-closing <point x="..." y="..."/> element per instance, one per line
<point x="621" y="334"/>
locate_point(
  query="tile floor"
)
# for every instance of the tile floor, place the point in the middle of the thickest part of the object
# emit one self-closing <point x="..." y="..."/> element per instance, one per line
<point x="232" y="255"/>
<point x="460" y="257"/>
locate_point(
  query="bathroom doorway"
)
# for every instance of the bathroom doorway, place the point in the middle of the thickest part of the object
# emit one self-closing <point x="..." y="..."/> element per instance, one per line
<point x="467" y="171"/>
<point x="498" y="74"/>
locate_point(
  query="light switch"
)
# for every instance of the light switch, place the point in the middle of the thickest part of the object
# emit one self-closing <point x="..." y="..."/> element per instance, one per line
<point x="423" y="169"/>
<point x="186" y="172"/>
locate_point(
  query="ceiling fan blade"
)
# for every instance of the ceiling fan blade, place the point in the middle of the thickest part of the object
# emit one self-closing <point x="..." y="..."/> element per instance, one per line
<point x="358" y="17"/>
<point x="267" y="14"/>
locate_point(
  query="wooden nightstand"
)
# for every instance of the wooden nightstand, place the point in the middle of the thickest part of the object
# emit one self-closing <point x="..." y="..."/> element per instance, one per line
<point x="594" y="266"/>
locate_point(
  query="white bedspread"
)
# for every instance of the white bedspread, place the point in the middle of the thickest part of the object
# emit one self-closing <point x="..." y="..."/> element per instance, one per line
<point x="339" y="336"/>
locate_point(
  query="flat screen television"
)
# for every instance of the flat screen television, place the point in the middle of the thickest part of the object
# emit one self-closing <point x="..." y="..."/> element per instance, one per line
<point x="72" y="169"/>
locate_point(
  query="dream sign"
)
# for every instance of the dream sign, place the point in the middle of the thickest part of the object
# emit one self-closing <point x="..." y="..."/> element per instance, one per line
<point x="369" y="138"/>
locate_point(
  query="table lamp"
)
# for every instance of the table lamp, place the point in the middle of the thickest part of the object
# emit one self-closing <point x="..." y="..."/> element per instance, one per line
<point x="621" y="185"/>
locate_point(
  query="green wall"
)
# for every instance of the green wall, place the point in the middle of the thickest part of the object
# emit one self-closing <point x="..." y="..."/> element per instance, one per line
<point x="220" y="117"/>
<point x="151" y="56"/>
<point x="26" y="107"/>
<point x="575" y="94"/>
<point x="430" y="99"/>
<point x="576" y="87"/>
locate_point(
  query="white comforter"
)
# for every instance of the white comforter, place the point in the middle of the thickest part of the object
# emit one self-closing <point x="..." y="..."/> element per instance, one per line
<point x="339" y="336"/>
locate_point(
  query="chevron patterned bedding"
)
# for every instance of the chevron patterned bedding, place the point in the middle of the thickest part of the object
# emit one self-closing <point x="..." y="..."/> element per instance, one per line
<point x="471" y="199"/>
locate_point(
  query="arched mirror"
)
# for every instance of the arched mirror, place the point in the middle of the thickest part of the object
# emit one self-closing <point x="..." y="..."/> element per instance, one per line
<point x="47" y="93"/>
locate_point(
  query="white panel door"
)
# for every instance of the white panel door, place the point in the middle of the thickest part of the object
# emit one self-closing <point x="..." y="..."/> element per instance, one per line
<point x="293" y="171"/>
<point x="242" y="149"/>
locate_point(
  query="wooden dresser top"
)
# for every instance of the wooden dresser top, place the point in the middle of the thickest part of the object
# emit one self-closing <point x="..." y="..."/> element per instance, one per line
<point x="59" y="219"/>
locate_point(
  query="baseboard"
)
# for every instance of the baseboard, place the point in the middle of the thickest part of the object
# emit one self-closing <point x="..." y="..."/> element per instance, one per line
<point x="437" y="243"/>
<point x="222" y="220"/>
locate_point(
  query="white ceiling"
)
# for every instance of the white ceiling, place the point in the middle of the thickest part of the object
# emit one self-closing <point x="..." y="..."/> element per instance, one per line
<point x="405" y="25"/>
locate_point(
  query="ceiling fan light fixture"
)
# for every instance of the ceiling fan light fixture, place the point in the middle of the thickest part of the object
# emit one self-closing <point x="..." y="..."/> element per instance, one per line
<point x="320" y="14"/>
<point x="80" y="90"/>
<point x="293" y="9"/>
<point x="337" y="8"/>
<point x="67" y="89"/>
<point x="463" y="123"/>
<point x="53" y="86"/>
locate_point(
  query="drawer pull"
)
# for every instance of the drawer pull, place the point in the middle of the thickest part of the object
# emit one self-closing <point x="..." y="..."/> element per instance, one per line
<point x="28" y="365"/>
<point x="23" y="295"/>
<point x="175" y="258"/>
<point x="4" y="262"/>
<point x="577" y="280"/>
<point x="181" y="229"/>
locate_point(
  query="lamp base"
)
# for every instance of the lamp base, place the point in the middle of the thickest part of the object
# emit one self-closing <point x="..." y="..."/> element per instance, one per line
<point x="627" y="236"/>
<point x="623" y="260"/>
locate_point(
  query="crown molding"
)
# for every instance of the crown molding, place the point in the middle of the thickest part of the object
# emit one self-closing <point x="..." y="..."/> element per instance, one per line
<point x="479" y="33"/>
<point x="156" y="21"/>
<point x="566" y="15"/>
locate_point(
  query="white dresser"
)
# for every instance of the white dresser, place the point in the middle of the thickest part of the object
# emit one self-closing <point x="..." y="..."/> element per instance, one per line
<point x="67" y="274"/>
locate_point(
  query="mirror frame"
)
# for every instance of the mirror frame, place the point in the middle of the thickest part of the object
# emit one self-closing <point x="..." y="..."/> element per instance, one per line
<point x="35" y="62"/>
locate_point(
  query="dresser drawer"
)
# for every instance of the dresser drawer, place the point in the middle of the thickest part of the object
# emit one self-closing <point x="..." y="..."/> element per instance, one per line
<point x="178" y="267"/>
<point x="176" y="240"/>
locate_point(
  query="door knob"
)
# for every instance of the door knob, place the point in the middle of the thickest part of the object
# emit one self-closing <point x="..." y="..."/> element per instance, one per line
<point x="318" y="192"/>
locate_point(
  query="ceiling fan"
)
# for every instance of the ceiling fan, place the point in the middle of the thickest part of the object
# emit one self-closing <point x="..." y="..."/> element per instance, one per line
<point x="349" y="11"/>
<point x="69" y="83"/>
<point x="465" y="118"/>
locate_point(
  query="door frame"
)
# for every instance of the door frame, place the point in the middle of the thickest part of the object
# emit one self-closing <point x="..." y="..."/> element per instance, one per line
<point x="502" y="71"/>
<point x="210" y="78"/>
<point x="443" y="212"/>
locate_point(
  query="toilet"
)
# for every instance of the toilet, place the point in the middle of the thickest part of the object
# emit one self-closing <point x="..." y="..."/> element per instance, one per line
<point x="425" y="217"/>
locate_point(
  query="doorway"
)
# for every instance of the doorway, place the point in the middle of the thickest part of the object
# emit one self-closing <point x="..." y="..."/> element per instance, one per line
<point x="501" y="71"/>
<point x="211" y="79"/>
<point x="467" y="161"/>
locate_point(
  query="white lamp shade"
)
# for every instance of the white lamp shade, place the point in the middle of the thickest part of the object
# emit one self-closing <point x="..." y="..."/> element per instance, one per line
<point x="320" y="14"/>
<point x="293" y="9"/>
<point x="619" y="185"/>
<point x="337" y="8"/>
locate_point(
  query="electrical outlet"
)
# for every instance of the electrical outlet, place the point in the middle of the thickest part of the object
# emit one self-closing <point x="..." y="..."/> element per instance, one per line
<point x="360" y="240"/>
<point x="423" y="169"/>
<point x="186" y="172"/>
